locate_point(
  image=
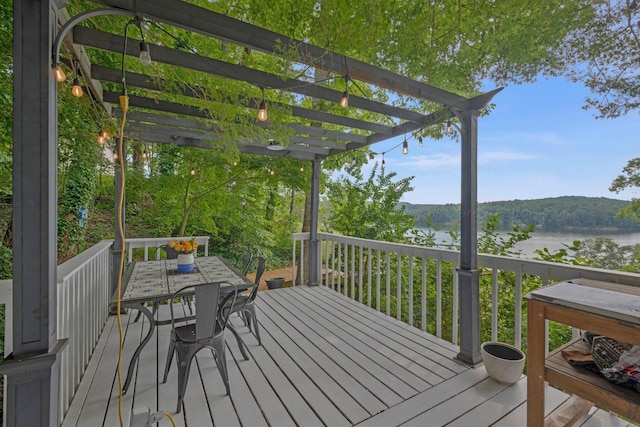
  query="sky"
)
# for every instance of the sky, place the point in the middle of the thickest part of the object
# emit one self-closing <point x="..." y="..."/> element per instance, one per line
<point x="538" y="142"/>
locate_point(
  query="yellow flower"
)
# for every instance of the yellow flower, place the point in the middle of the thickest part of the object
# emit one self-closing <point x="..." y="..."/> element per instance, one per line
<point x="184" y="246"/>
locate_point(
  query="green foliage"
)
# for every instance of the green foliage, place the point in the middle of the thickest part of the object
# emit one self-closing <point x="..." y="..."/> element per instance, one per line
<point x="6" y="263"/>
<point x="629" y="179"/>
<point x="369" y="208"/>
<point x="557" y="213"/>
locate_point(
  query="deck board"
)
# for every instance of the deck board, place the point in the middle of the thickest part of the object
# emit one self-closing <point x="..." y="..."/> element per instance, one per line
<point x="324" y="361"/>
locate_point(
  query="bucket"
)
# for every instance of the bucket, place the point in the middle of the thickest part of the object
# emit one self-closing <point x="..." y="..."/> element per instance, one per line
<point x="275" y="283"/>
<point x="503" y="362"/>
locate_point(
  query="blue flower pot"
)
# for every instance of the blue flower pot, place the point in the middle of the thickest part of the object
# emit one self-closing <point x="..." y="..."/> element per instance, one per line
<point x="185" y="263"/>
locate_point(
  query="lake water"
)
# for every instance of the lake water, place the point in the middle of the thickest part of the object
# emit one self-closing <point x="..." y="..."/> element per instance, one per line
<point x="554" y="241"/>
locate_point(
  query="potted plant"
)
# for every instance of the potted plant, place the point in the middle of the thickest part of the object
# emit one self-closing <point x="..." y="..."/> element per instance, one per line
<point x="275" y="283"/>
<point x="185" y="250"/>
<point x="503" y="362"/>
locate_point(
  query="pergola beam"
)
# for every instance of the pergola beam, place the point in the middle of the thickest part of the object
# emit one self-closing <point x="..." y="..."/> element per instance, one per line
<point x="112" y="75"/>
<point x="212" y="24"/>
<point x="114" y="43"/>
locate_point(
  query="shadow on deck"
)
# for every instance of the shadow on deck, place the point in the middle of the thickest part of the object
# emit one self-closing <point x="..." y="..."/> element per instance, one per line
<point x="325" y="360"/>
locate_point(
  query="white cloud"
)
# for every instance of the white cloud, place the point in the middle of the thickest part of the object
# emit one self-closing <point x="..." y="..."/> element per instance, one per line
<point x="503" y="156"/>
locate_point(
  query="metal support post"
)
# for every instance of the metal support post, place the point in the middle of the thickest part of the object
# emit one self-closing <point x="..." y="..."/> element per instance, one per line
<point x="32" y="370"/>
<point x="314" y="243"/>
<point x="468" y="274"/>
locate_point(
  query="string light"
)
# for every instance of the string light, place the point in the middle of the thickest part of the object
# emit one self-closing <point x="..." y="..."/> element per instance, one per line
<point x="383" y="164"/>
<point x="103" y="135"/>
<point x="262" y="110"/>
<point x="272" y="172"/>
<point x="115" y="155"/>
<point x="420" y="144"/>
<point x="145" y="56"/>
<point x="449" y="130"/>
<point x="59" y="73"/>
<point x="192" y="171"/>
<point x="344" y="101"/>
<point x="405" y="146"/>
<point x="301" y="168"/>
<point x="76" y="89"/>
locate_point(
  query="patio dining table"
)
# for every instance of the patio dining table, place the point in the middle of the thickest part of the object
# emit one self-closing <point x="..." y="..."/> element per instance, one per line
<point x="152" y="282"/>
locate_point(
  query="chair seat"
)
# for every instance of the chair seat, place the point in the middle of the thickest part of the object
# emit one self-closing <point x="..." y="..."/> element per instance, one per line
<point x="187" y="333"/>
<point x="241" y="300"/>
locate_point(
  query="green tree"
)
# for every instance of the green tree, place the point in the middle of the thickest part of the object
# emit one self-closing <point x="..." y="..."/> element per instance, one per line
<point x="629" y="179"/>
<point x="370" y="208"/>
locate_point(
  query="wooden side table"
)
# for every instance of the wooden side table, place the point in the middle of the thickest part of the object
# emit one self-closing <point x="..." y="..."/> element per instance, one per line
<point x="602" y="308"/>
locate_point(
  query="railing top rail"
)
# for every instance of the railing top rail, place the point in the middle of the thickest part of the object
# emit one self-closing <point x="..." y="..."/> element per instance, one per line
<point x="74" y="264"/>
<point x="143" y="240"/>
<point x="543" y="269"/>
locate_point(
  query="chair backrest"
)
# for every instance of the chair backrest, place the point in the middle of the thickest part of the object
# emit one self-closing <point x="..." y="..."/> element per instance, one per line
<point x="171" y="253"/>
<point x="245" y="261"/>
<point x="261" y="266"/>
<point x="207" y="305"/>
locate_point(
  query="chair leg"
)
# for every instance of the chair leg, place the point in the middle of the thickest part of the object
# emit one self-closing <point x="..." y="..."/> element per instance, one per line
<point x="184" y="366"/>
<point x="253" y="318"/>
<point x="221" y="360"/>
<point x="167" y="365"/>
<point x="239" y="340"/>
<point x="153" y="311"/>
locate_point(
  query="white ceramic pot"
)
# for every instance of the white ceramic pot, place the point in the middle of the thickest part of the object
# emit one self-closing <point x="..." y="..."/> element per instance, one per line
<point x="503" y="362"/>
<point x="185" y="263"/>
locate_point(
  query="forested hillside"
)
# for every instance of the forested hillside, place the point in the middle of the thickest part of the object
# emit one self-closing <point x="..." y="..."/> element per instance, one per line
<point x="554" y="214"/>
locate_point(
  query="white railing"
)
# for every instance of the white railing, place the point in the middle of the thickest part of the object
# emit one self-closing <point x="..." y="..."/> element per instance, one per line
<point x="84" y="295"/>
<point x="152" y="244"/>
<point x="362" y="268"/>
<point x="6" y="299"/>
<point x="83" y="307"/>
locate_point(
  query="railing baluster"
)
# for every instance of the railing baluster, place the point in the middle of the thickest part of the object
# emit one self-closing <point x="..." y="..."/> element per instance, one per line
<point x="334" y="285"/>
<point x="518" y="308"/>
<point x="494" y="304"/>
<point x="439" y="298"/>
<point x="388" y="291"/>
<point x="410" y="290"/>
<point x="360" y="262"/>
<point x="454" y="322"/>
<point x="378" y="284"/>
<point x="423" y="297"/>
<point x="399" y="286"/>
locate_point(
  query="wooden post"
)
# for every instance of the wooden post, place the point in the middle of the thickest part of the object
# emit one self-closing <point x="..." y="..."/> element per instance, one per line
<point x="535" y="363"/>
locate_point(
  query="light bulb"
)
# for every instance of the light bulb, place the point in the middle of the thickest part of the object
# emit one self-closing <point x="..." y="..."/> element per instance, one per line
<point x="301" y="168"/>
<point x="420" y="144"/>
<point x="235" y="163"/>
<point x="59" y="73"/>
<point x="262" y="112"/>
<point x="272" y="172"/>
<point x="344" y="101"/>
<point x="115" y="155"/>
<point x="103" y="133"/>
<point x="383" y="164"/>
<point x="405" y="147"/>
<point x="144" y="154"/>
<point x="449" y="129"/>
<point x="192" y="171"/>
<point x="76" y="90"/>
<point x="101" y="140"/>
<point x="145" y="57"/>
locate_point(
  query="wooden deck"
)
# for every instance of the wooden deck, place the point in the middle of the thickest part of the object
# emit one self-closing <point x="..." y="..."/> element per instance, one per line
<point x="324" y="361"/>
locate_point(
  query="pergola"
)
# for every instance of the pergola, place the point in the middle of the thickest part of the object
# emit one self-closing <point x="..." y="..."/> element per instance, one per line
<point x="40" y="29"/>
